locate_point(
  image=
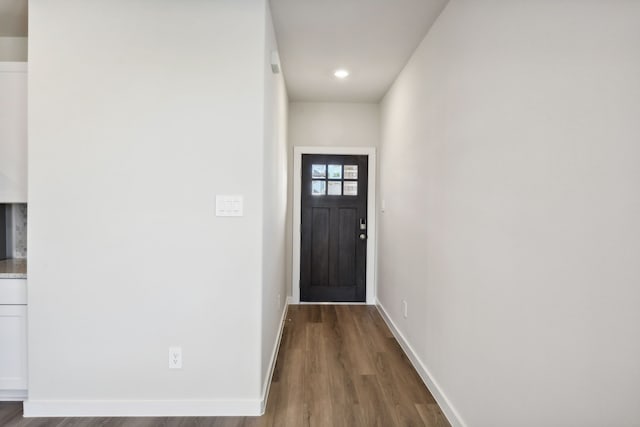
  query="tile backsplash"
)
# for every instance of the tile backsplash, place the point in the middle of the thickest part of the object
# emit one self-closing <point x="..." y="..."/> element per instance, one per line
<point x="19" y="230"/>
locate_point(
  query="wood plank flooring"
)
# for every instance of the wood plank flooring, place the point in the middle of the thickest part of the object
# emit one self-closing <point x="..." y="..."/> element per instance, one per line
<point x="338" y="365"/>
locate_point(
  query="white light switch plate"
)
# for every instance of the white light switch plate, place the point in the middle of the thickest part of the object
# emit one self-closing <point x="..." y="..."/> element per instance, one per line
<point x="229" y="205"/>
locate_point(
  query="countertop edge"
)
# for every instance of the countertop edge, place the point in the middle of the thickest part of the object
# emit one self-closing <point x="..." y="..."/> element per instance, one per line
<point x="12" y="276"/>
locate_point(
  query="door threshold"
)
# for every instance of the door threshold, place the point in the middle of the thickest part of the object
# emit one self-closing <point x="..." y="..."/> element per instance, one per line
<point x="328" y="303"/>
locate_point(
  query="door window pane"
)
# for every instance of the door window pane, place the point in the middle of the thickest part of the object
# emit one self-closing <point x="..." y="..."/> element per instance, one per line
<point x="318" y="188"/>
<point x="335" y="171"/>
<point x="335" y="188"/>
<point x="350" y="171"/>
<point x="351" y="188"/>
<point x="318" y="171"/>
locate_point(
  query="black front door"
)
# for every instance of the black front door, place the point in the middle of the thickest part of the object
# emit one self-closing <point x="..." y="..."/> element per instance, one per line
<point x="333" y="241"/>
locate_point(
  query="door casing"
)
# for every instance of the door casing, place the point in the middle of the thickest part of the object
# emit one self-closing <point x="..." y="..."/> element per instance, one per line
<point x="371" y="215"/>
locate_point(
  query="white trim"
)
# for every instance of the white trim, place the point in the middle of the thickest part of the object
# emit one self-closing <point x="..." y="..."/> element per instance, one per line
<point x="141" y="408"/>
<point x="445" y="404"/>
<point x="274" y="357"/>
<point x="371" y="214"/>
<point x="13" y="395"/>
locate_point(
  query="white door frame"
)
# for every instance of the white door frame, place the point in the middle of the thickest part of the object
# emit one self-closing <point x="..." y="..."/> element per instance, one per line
<point x="371" y="214"/>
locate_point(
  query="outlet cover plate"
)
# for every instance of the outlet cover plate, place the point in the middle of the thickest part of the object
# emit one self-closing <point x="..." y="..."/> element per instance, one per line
<point x="175" y="357"/>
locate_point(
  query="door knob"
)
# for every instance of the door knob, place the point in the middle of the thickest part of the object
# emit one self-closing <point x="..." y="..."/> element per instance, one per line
<point x="363" y="236"/>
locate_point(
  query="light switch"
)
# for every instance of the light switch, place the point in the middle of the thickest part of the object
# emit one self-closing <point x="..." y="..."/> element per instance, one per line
<point x="229" y="205"/>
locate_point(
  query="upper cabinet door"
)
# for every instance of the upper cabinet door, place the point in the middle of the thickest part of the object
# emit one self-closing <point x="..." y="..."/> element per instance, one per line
<point x="13" y="132"/>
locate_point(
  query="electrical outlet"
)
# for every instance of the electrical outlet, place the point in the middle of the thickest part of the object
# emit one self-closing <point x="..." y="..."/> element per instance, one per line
<point x="175" y="357"/>
<point x="405" y="309"/>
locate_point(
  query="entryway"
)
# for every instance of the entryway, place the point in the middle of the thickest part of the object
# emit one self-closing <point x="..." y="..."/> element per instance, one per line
<point x="333" y="238"/>
<point x="334" y="225"/>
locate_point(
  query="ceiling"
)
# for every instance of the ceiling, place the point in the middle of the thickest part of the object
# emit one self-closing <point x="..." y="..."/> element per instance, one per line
<point x="373" y="39"/>
<point x="13" y="18"/>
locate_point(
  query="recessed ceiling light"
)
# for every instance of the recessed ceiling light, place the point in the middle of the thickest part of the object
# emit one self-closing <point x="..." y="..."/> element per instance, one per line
<point x="341" y="74"/>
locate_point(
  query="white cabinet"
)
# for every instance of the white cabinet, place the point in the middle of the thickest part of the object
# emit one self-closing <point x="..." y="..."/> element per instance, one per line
<point x="13" y="348"/>
<point x="13" y="339"/>
<point x="13" y="132"/>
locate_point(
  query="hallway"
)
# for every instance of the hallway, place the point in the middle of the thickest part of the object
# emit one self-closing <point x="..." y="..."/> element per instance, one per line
<point x="338" y="365"/>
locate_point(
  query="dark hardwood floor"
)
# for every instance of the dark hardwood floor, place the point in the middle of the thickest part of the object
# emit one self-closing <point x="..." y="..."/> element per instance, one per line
<point x="338" y="365"/>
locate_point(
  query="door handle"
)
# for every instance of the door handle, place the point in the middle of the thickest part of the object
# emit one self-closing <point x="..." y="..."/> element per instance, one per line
<point x="363" y="236"/>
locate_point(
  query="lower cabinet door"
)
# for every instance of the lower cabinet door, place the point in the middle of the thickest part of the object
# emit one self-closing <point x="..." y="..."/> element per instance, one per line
<point x="13" y="347"/>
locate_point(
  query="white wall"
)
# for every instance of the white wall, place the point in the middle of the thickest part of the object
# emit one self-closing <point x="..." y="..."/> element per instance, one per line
<point x="509" y="163"/>
<point x="139" y="114"/>
<point x="274" y="289"/>
<point x="13" y="49"/>
<point x="334" y="124"/>
<point x="13" y="132"/>
<point x="327" y="124"/>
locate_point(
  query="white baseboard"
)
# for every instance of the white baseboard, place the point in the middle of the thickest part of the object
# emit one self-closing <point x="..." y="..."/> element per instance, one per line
<point x="141" y="408"/>
<point x="274" y="357"/>
<point x="447" y="408"/>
